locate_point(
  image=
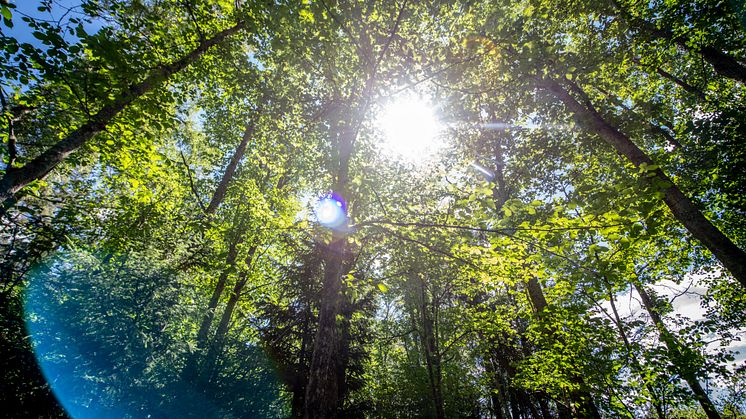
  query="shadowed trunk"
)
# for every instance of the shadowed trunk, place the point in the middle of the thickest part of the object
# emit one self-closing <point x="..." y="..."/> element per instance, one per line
<point x="217" y="342"/>
<point x="191" y="369"/>
<point x="230" y="170"/>
<point x="432" y="354"/>
<point x="322" y="392"/>
<point x="722" y="63"/>
<point x="631" y="358"/>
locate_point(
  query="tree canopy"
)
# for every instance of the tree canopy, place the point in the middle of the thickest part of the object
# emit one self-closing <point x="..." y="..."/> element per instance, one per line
<point x="342" y="208"/>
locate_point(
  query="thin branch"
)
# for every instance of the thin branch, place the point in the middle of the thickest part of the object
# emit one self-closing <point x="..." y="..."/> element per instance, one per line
<point x="191" y="183"/>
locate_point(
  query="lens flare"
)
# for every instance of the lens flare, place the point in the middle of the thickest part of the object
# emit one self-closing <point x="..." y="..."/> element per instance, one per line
<point x="331" y="211"/>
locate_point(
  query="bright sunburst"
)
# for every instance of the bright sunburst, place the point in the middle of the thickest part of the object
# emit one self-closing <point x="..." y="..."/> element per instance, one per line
<point x="410" y="128"/>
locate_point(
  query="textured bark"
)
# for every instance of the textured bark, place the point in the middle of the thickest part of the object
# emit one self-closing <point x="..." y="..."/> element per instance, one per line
<point x="322" y="392"/>
<point x="732" y="257"/>
<point x="677" y="354"/>
<point x="37" y="168"/>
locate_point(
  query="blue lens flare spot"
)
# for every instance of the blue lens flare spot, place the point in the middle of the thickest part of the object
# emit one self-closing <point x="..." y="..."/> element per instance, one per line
<point x="331" y="211"/>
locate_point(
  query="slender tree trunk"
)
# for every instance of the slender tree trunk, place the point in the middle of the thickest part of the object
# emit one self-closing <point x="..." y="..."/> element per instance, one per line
<point x="732" y="257"/>
<point x="191" y="367"/>
<point x="633" y="361"/>
<point x="37" y="168"/>
<point x="219" y="194"/>
<point x="682" y="362"/>
<point x="217" y="342"/>
<point x="581" y="399"/>
<point x="432" y="355"/>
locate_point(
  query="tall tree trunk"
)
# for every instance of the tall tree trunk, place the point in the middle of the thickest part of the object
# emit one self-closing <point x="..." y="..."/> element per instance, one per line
<point x="191" y="367"/>
<point x="683" y="361"/>
<point x="631" y="358"/>
<point x="216" y="345"/>
<point x="432" y="354"/>
<point x="732" y="257"/>
<point x="582" y="400"/>
<point x="13" y="181"/>
<point x="322" y="392"/>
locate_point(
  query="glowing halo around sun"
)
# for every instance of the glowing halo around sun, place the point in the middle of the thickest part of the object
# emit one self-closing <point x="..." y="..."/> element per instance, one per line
<point x="410" y="129"/>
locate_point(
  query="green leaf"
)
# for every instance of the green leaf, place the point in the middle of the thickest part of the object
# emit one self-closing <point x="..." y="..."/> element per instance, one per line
<point x="382" y="287"/>
<point x="5" y="11"/>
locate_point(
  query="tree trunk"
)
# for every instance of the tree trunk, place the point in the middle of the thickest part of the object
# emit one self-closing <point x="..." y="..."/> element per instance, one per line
<point x="37" y="168"/>
<point x="191" y="368"/>
<point x="220" y="191"/>
<point x="732" y="258"/>
<point x="634" y="362"/>
<point x="432" y="355"/>
<point x="217" y="342"/>
<point x="682" y="362"/>
<point x="583" y="405"/>
<point x="322" y="392"/>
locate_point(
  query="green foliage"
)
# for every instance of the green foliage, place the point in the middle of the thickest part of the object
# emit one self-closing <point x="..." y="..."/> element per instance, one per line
<point x="505" y="291"/>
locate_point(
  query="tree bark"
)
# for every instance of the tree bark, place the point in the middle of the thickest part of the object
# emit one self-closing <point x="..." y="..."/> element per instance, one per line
<point x="732" y="257"/>
<point x="37" y="168"/>
<point x="677" y="355"/>
<point x="322" y="392"/>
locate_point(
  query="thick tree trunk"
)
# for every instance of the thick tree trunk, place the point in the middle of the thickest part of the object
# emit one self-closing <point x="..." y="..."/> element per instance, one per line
<point x="677" y="355"/>
<point x="732" y="258"/>
<point x="37" y="168"/>
<point x="322" y="392"/>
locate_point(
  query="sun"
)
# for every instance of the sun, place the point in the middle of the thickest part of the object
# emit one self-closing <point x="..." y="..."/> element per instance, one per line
<point x="410" y="129"/>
